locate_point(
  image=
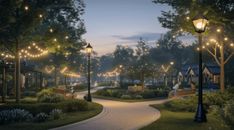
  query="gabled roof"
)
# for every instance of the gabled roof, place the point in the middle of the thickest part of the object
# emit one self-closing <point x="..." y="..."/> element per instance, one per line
<point x="195" y="69"/>
<point x="214" y="69"/>
<point x="184" y="70"/>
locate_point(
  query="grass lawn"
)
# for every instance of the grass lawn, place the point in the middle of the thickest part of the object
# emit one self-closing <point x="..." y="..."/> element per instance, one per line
<point x="125" y="100"/>
<point x="67" y="118"/>
<point x="183" y="121"/>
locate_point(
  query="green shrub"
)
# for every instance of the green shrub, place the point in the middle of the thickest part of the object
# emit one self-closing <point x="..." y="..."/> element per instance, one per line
<point x="125" y="85"/>
<point x="29" y="93"/>
<point x="188" y="104"/>
<point x="228" y="113"/>
<point x="48" y="96"/>
<point x="215" y="110"/>
<point x="14" y="115"/>
<point x="41" y="117"/>
<point x="116" y="93"/>
<point x="28" y="100"/>
<point x="148" y="94"/>
<point x="53" y="98"/>
<point x="43" y="92"/>
<point x="70" y="105"/>
<point x="161" y="93"/>
<point x="218" y="98"/>
<point x="103" y="92"/>
<point x="105" y="84"/>
<point x="55" y="114"/>
<point x="126" y="97"/>
<point x="138" y="97"/>
<point x="74" y="105"/>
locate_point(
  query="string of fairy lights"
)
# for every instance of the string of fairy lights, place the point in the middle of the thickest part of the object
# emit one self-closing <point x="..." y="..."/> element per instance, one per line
<point x="27" y="52"/>
<point x="64" y="71"/>
<point x="216" y="43"/>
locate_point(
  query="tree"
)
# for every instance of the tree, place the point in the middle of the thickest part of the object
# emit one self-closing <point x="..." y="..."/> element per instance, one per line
<point x="25" y="21"/>
<point x="123" y="55"/>
<point x="143" y="61"/>
<point x="219" y="13"/>
<point x="222" y="51"/>
<point x="106" y="62"/>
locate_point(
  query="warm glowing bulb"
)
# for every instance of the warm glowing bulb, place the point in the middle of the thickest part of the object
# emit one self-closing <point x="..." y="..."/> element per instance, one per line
<point x="58" y="46"/>
<point x="203" y="47"/>
<point x="55" y="40"/>
<point x="66" y="37"/>
<point x="207" y="43"/>
<point x="188" y="18"/>
<point x="29" y="47"/>
<point x="225" y="38"/>
<point x="26" y="8"/>
<point x="218" y="30"/>
<point x="212" y="40"/>
<point x="198" y="49"/>
<point x="51" y="30"/>
<point x="231" y="44"/>
<point x="40" y="15"/>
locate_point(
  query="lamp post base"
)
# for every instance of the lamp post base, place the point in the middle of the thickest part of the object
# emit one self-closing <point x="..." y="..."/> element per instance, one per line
<point x="200" y="115"/>
<point x="89" y="98"/>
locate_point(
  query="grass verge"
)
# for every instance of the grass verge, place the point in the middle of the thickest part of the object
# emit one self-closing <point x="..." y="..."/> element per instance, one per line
<point x="183" y="121"/>
<point x="66" y="119"/>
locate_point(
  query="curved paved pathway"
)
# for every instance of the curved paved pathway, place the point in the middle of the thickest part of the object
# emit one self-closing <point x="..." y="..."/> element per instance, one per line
<point x="118" y="116"/>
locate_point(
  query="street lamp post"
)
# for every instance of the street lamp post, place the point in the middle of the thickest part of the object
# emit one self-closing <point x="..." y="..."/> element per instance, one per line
<point x="89" y="50"/>
<point x="200" y="23"/>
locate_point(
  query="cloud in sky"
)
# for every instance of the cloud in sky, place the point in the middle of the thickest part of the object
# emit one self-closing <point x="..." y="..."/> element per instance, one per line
<point x="148" y="36"/>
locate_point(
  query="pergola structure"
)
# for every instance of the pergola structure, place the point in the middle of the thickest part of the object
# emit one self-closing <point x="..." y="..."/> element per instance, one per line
<point x="30" y="76"/>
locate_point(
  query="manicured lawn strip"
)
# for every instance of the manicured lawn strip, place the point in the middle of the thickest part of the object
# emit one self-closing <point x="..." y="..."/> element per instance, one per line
<point x="68" y="118"/>
<point x="125" y="100"/>
<point x="183" y="121"/>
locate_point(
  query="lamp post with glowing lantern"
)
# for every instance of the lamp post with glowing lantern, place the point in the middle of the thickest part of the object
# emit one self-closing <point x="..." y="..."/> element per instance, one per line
<point x="89" y="50"/>
<point x="200" y="23"/>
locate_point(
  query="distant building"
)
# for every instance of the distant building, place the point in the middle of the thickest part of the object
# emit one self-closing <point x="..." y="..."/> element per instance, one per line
<point x="211" y="74"/>
<point x="190" y="74"/>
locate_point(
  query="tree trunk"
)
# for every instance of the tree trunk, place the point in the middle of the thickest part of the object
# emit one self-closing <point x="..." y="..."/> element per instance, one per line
<point x="222" y="87"/>
<point x="142" y="79"/>
<point x="17" y="72"/>
<point x="3" y="83"/>
<point x="55" y="76"/>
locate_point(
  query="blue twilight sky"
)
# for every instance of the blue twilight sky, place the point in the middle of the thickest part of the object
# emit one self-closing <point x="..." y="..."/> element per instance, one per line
<point x="121" y="22"/>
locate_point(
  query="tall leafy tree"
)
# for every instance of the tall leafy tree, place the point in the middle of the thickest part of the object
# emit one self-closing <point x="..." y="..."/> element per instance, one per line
<point x="25" y="21"/>
<point x="220" y="15"/>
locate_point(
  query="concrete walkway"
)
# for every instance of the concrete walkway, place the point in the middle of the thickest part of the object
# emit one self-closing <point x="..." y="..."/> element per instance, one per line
<point x="118" y="116"/>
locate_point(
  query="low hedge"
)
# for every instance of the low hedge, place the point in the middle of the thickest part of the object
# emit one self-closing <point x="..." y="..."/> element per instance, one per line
<point x="70" y="105"/>
<point x="120" y="93"/>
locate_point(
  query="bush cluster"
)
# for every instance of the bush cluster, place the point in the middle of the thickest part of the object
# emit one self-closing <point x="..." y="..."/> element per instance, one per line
<point x="14" y="115"/>
<point x="126" y="97"/>
<point x="70" y="105"/>
<point x="121" y="93"/>
<point x="21" y="115"/>
<point x="56" y="114"/>
<point x="48" y="96"/>
<point x="41" y="117"/>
